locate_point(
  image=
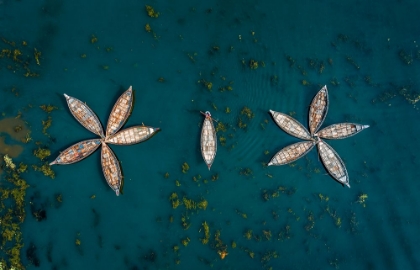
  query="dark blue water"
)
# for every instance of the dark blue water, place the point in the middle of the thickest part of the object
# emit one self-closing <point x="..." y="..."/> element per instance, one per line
<point x="365" y="52"/>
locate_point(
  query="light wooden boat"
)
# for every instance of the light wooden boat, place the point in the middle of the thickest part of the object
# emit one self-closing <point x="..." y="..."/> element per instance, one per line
<point x="111" y="168"/>
<point x="318" y="110"/>
<point x="77" y="152"/>
<point x="340" y="131"/>
<point x="290" y="125"/>
<point x="84" y="115"/>
<point x="291" y="153"/>
<point x="333" y="163"/>
<point x="132" y="135"/>
<point x="208" y="140"/>
<point x="120" y="112"/>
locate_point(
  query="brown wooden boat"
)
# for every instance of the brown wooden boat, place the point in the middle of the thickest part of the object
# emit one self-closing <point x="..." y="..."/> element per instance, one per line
<point x="84" y="115"/>
<point x="208" y="140"/>
<point x="318" y="110"/>
<point x="120" y="112"/>
<point x="333" y="163"/>
<point x="340" y="131"/>
<point x="290" y="125"/>
<point x="77" y="152"/>
<point x="111" y="168"/>
<point x="292" y="153"/>
<point x="132" y="135"/>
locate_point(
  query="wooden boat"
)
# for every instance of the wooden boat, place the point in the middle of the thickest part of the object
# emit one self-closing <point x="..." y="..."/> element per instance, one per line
<point x="77" y="152"/>
<point x="84" y="115"/>
<point x="120" y="112"/>
<point x="333" y="163"/>
<point x="290" y="125"/>
<point x="132" y="135"/>
<point x="208" y="140"/>
<point x="340" y="131"/>
<point x="291" y="153"/>
<point x="111" y="168"/>
<point x="318" y="110"/>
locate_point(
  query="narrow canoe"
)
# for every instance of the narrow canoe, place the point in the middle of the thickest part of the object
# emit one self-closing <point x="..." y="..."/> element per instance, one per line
<point x="340" y="131"/>
<point x="111" y="168"/>
<point x="132" y="135"/>
<point x="208" y="140"/>
<point x="318" y="110"/>
<point x="290" y="125"/>
<point x="291" y="153"/>
<point x="120" y="112"/>
<point x="333" y="163"/>
<point x="84" y="115"/>
<point x="77" y="152"/>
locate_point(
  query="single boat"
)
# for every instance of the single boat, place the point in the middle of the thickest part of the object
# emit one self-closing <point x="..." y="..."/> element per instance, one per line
<point x="208" y="140"/>
<point x="290" y="125"/>
<point x="111" y="168"/>
<point x="333" y="163"/>
<point x="292" y="153"/>
<point x="318" y="110"/>
<point x="132" y="135"/>
<point x="120" y="112"/>
<point x="340" y="131"/>
<point x="84" y="115"/>
<point x="77" y="152"/>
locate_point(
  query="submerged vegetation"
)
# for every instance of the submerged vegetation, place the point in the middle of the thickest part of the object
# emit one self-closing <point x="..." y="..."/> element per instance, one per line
<point x="12" y="215"/>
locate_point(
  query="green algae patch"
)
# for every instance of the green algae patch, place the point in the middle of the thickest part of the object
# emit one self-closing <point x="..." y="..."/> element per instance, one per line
<point x="13" y="192"/>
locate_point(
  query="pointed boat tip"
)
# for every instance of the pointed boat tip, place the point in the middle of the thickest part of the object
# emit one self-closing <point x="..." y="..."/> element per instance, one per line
<point x="271" y="111"/>
<point x="53" y="163"/>
<point x="366" y="126"/>
<point x="130" y="88"/>
<point x="348" y="185"/>
<point x="66" y="96"/>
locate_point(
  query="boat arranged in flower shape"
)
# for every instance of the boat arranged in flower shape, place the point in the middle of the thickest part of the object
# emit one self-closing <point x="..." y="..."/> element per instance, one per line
<point x="117" y="118"/>
<point x="317" y="113"/>
<point x="208" y="140"/>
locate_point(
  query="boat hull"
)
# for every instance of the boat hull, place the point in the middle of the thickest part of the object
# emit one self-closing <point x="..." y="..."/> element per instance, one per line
<point x="290" y="125"/>
<point x="208" y="141"/>
<point x="77" y="152"/>
<point x="318" y="110"/>
<point x="333" y="163"/>
<point x="111" y="168"/>
<point x="120" y="112"/>
<point x="132" y="135"/>
<point x="84" y="115"/>
<point x="340" y="131"/>
<point x="291" y="153"/>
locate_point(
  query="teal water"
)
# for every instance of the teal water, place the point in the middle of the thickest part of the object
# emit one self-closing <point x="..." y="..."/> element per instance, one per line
<point x="371" y="60"/>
